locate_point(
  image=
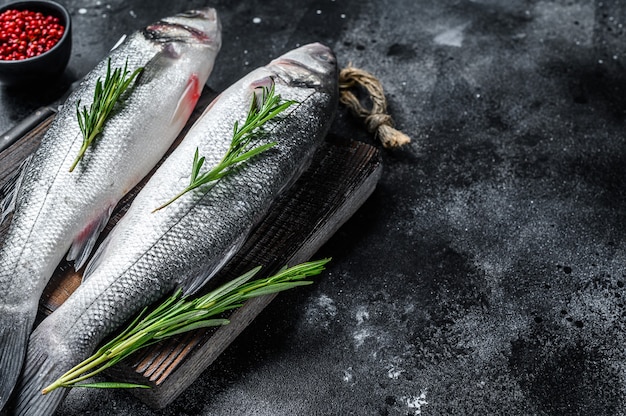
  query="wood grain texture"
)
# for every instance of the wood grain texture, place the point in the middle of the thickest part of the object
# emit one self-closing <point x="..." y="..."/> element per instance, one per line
<point x="341" y="177"/>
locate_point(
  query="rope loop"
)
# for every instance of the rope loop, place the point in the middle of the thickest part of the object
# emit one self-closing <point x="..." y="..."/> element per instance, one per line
<point x="377" y="120"/>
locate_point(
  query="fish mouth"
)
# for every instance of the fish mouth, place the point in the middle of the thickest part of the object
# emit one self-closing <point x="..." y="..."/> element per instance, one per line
<point x="174" y="32"/>
<point x="310" y="65"/>
<point x="313" y="57"/>
<point x="184" y="27"/>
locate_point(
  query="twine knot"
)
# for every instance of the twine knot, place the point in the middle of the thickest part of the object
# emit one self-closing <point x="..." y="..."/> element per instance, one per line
<point x="377" y="120"/>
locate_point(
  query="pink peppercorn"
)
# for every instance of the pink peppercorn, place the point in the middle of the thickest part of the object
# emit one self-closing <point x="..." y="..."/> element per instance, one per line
<point x="25" y="34"/>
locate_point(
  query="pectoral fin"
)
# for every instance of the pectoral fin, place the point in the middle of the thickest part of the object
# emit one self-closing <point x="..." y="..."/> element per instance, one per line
<point x="194" y="284"/>
<point x="86" y="240"/>
<point x="187" y="101"/>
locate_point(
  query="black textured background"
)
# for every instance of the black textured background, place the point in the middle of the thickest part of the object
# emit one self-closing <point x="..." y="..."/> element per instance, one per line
<point x="485" y="276"/>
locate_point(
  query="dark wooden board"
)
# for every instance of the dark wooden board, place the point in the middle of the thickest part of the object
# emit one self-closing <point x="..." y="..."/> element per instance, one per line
<point x="339" y="180"/>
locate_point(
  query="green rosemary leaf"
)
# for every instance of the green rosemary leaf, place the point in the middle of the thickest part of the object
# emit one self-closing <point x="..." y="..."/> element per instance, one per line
<point x="240" y="150"/>
<point x="134" y="322"/>
<point x="197" y="164"/>
<point x="112" y="385"/>
<point x="106" y="94"/>
<point x="209" y="299"/>
<point x="177" y="315"/>
<point x="253" y="152"/>
<point x="193" y="326"/>
<point x="275" y="288"/>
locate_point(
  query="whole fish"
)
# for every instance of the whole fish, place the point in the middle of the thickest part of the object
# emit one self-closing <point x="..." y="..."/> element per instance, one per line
<point x="56" y="210"/>
<point x="149" y="254"/>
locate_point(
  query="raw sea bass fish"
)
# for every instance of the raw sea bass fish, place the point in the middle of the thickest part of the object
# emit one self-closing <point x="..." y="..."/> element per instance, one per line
<point x="57" y="210"/>
<point x="149" y="254"/>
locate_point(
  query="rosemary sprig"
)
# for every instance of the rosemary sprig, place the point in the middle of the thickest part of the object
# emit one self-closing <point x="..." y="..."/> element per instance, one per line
<point x="177" y="315"/>
<point x="240" y="149"/>
<point x="91" y="122"/>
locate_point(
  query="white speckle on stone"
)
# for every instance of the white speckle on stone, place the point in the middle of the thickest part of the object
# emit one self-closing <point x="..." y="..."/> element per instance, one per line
<point x="256" y="20"/>
<point x="415" y="403"/>
<point x="451" y="37"/>
<point x="321" y="311"/>
<point x="394" y="372"/>
<point x="361" y="315"/>
<point x="360" y="336"/>
<point x="132" y="14"/>
<point x="104" y="15"/>
<point x="318" y="11"/>
<point x="327" y="304"/>
<point x="108" y="6"/>
<point x="347" y="375"/>
<point x="409" y="308"/>
<point x="82" y="10"/>
<point x="342" y="15"/>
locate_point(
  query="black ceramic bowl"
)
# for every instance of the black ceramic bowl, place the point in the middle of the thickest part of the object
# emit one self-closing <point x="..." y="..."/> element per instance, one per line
<point x="48" y="65"/>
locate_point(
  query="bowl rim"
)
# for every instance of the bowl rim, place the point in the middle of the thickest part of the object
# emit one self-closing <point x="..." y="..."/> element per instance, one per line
<point x="22" y="5"/>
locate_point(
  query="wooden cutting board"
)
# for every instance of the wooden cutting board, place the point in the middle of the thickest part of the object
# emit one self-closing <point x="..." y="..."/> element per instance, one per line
<point x="340" y="178"/>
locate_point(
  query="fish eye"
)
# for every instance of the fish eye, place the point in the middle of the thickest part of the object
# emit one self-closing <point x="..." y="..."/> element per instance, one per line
<point x="325" y="57"/>
<point x="191" y="14"/>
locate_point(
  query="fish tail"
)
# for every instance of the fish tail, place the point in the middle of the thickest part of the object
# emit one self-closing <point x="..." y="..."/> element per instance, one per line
<point x="14" y="330"/>
<point x="43" y="365"/>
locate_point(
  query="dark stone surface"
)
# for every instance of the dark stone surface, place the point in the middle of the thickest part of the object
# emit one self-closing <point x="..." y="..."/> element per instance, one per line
<point x="486" y="273"/>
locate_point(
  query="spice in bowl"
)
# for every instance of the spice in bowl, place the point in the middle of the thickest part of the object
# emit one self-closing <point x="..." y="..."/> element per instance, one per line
<point x="25" y="34"/>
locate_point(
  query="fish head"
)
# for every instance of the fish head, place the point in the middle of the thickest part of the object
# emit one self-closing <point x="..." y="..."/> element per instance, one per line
<point x="185" y="42"/>
<point x="194" y="28"/>
<point x="313" y="65"/>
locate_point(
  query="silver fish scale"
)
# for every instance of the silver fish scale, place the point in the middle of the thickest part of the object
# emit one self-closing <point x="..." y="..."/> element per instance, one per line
<point x="149" y="254"/>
